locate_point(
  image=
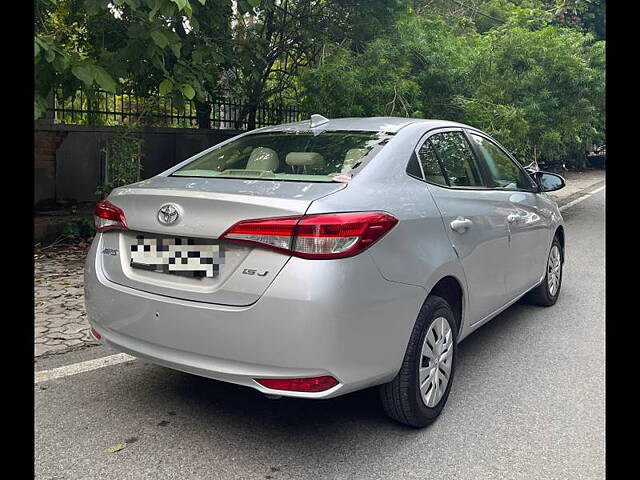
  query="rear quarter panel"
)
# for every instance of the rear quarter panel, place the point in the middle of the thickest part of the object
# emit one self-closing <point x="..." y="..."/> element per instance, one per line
<point x="417" y="250"/>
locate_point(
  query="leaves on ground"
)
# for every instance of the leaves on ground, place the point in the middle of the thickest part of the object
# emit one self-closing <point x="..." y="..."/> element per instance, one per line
<point x="116" y="448"/>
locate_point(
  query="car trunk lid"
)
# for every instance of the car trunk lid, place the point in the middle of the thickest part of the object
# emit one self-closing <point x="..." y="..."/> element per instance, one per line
<point x="206" y="208"/>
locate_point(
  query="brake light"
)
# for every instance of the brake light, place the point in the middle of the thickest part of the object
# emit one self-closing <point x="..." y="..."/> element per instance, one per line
<point x="273" y="232"/>
<point x="321" y="236"/>
<point x="313" y="384"/>
<point x="108" y="216"/>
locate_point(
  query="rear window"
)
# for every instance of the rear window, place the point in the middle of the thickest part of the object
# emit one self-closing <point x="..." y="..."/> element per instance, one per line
<point x="296" y="156"/>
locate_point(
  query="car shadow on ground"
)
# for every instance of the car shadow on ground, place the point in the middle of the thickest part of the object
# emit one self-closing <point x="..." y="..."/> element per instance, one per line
<point x="219" y="405"/>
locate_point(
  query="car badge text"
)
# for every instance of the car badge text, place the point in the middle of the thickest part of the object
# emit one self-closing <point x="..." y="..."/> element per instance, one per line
<point x="251" y="271"/>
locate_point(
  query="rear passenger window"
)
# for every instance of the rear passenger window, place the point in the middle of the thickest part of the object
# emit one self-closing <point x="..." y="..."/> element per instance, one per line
<point x="429" y="160"/>
<point x="457" y="159"/>
<point x="413" y="167"/>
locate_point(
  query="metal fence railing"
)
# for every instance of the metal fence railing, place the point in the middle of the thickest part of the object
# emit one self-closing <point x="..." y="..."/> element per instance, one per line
<point x="105" y="108"/>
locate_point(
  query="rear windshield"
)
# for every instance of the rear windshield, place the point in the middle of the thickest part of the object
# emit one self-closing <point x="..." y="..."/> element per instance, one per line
<point x="296" y="156"/>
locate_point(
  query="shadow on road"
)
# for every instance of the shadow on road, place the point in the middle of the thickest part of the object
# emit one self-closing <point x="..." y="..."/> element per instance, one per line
<point x="220" y="406"/>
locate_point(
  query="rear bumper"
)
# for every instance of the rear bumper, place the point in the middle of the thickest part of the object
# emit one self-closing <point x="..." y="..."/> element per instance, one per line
<point x="335" y="317"/>
<point x="211" y="367"/>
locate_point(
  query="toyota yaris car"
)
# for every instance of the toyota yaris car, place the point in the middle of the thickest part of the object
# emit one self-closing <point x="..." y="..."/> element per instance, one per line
<point x="321" y="257"/>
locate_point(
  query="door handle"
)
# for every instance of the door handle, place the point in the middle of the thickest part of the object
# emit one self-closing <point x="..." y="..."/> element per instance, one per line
<point x="514" y="218"/>
<point x="461" y="224"/>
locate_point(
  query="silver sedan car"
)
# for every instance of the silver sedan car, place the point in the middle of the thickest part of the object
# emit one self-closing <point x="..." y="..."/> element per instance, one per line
<point x="321" y="257"/>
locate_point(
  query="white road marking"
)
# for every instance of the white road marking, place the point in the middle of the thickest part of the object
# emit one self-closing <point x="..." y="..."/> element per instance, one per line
<point x="102" y="362"/>
<point x="82" y="367"/>
<point x="581" y="199"/>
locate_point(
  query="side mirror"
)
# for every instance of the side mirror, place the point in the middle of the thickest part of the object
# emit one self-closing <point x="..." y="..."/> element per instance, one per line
<point x="548" y="182"/>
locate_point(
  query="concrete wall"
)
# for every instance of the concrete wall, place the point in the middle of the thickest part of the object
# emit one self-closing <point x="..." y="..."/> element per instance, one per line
<point x="69" y="161"/>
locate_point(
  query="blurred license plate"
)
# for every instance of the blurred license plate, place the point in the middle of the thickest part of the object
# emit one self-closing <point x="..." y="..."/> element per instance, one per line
<point x="182" y="256"/>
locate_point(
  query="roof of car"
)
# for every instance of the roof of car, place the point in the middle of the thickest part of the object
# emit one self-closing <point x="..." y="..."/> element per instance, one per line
<point x="385" y="124"/>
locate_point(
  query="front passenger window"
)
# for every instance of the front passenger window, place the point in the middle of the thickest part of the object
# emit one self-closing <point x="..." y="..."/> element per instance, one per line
<point x="503" y="172"/>
<point x="457" y="159"/>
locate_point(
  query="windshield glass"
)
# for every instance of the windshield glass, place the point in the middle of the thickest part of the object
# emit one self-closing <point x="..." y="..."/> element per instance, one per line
<point x="297" y="156"/>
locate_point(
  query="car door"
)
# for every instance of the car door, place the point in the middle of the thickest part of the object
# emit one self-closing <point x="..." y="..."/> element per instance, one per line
<point x="474" y="218"/>
<point x="528" y="225"/>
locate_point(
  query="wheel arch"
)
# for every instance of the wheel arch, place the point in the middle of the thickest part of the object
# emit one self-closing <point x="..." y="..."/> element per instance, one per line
<point x="451" y="289"/>
<point x="559" y="233"/>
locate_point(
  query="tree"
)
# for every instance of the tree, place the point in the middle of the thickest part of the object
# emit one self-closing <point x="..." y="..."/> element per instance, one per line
<point x="540" y="90"/>
<point x="275" y="40"/>
<point x="61" y="55"/>
<point x="175" y="47"/>
<point x="271" y="41"/>
<point x="525" y="70"/>
<point x="537" y="87"/>
<point x="414" y="71"/>
<point x="196" y="49"/>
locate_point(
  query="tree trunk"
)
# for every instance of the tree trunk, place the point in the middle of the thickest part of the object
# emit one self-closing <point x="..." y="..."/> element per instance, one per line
<point x="92" y="108"/>
<point x="251" y="121"/>
<point x="203" y="113"/>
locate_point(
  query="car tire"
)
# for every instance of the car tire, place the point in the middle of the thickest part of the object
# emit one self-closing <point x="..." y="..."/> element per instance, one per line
<point x="402" y="398"/>
<point x="547" y="293"/>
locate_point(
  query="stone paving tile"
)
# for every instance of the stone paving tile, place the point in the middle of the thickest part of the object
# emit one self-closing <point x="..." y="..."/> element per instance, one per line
<point x="60" y="317"/>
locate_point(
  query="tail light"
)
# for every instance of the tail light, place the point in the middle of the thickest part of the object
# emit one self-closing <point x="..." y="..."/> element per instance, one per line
<point x="321" y="236"/>
<point x="108" y="216"/>
<point x="313" y="384"/>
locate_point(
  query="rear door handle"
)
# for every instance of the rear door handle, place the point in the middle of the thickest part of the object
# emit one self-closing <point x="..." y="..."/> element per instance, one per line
<point x="461" y="224"/>
<point x="514" y="218"/>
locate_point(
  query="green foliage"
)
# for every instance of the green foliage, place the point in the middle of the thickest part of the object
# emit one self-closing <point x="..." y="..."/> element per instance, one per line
<point x="174" y="47"/>
<point x="540" y="90"/>
<point x="537" y="87"/>
<point x="197" y="50"/>
<point x="82" y="229"/>
<point x="141" y="43"/>
<point x="61" y="55"/>
<point x="411" y="72"/>
<point x="123" y="160"/>
<point x="273" y="40"/>
<point x="584" y="15"/>
<point x="531" y="72"/>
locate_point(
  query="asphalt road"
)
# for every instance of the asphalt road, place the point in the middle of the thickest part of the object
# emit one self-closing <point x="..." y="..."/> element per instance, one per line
<point x="528" y="402"/>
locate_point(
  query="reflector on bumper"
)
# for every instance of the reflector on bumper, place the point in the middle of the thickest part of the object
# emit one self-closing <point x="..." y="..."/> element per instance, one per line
<point x="313" y="384"/>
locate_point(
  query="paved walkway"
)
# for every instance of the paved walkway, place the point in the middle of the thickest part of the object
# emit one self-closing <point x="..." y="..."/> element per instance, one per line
<point x="60" y="317"/>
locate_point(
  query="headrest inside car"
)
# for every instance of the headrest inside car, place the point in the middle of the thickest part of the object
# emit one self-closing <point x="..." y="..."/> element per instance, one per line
<point x="304" y="159"/>
<point x="352" y="157"/>
<point x="263" y="158"/>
